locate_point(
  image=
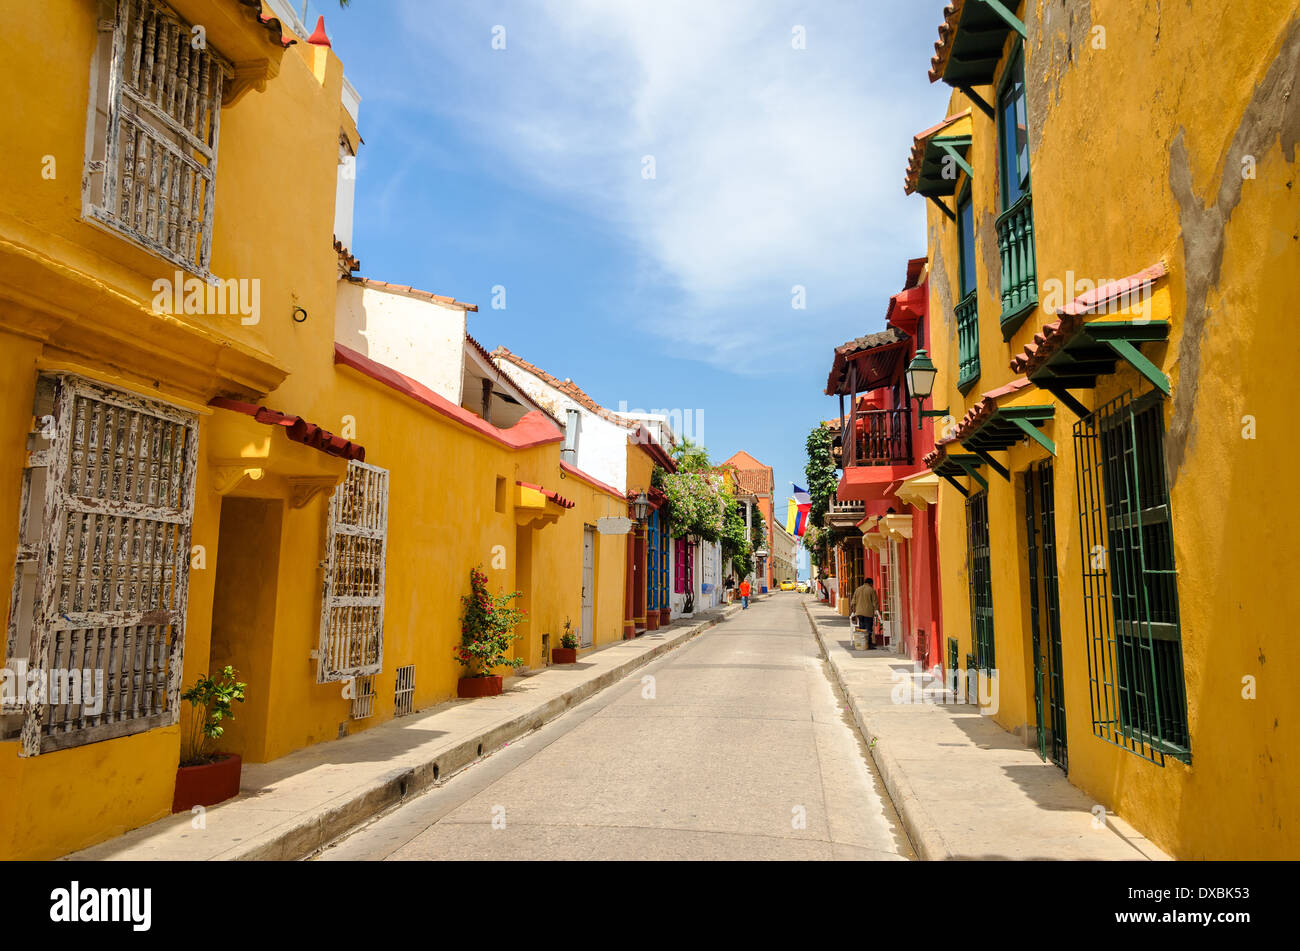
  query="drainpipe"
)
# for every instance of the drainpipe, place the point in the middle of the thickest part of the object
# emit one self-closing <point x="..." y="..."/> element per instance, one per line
<point x="572" y="429"/>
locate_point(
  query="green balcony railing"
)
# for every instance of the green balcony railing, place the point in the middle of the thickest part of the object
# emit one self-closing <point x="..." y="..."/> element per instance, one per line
<point x="968" y="341"/>
<point x="1019" y="273"/>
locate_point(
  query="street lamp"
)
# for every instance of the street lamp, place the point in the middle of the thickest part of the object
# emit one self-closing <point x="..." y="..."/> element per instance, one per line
<point x="641" y="507"/>
<point x="921" y="374"/>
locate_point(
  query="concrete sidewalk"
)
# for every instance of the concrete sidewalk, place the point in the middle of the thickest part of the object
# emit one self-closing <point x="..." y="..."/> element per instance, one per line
<point x="964" y="787"/>
<point x="292" y="806"/>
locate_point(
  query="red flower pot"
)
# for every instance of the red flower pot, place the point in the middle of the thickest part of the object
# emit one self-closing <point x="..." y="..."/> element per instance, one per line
<point x="564" y="655"/>
<point x="478" y="686"/>
<point x="208" y="784"/>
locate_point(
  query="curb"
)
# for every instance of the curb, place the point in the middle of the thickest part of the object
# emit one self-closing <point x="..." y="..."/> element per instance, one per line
<point x="313" y="832"/>
<point x="929" y="844"/>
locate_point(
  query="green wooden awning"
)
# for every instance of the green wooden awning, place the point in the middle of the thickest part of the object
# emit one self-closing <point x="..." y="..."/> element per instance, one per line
<point x="972" y="41"/>
<point x="952" y="466"/>
<point x="1094" y="350"/>
<point x="944" y="156"/>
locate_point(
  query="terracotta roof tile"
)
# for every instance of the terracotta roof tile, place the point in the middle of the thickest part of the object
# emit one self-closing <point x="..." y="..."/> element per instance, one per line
<point x="272" y="25"/>
<point x="947" y="33"/>
<point x="567" y="387"/>
<point x="412" y="291"/>
<point x="1052" y="337"/>
<point x="553" y="496"/>
<point x="917" y="157"/>
<point x="296" y="428"/>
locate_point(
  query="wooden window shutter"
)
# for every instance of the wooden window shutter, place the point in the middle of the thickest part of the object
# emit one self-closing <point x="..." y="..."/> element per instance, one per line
<point x="102" y="573"/>
<point x="352" y="601"/>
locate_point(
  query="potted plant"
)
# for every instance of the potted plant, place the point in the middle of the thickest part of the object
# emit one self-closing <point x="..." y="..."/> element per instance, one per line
<point x="567" y="652"/>
<point x="206" y="777"/>
<point x="487" y="630"/>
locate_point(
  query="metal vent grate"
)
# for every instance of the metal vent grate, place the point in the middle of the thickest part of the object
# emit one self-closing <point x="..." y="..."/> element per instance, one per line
<point x="404" y="698"/>
<point x="363" y="698"/>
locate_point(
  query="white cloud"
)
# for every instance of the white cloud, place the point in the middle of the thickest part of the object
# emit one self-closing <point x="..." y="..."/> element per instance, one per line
<point x="775" y="166"/>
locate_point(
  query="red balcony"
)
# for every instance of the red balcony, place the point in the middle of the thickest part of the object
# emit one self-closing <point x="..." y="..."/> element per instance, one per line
<point x="880" y="437"/>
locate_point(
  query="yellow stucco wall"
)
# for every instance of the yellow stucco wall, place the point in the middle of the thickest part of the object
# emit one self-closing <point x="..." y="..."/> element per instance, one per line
<point x="1137" y="156"/>
<point x="76" y="297"/>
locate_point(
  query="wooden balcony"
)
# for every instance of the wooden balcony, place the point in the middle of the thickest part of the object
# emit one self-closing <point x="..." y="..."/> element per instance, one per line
<point x="880" y="437"/>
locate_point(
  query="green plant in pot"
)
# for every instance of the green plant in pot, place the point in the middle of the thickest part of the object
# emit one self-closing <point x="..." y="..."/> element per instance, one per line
<point x="206" y="777"/>
<point x="487" y="631"/>
<point x="567" y="652"/>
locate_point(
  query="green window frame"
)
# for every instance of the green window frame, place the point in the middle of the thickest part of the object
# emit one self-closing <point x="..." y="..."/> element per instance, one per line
<point x="1013" y="131"/>
<point x="967" y="310"/>
<point x="979" y="554"/>
<point x="1131" y="612"/>
<point x="1015" y="225"/>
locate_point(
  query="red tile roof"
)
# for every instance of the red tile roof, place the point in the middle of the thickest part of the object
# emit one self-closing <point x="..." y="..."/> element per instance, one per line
<point x="412" y="291"/>
<point x="534" y="429"/>
<point x="347" y="260"/>
<point x="947" y="33"/>
<point x="919" y="142"/>
<point x="1052" y="337"/>
<point x="272" y="25"/>
<point x="296" y="428"/>
<point x="553" y="496"/>
<point x="933" y="457"/>
<point x="986" y="407"/>
<point x="590" y="480"/>
<point x="567" y="387"/>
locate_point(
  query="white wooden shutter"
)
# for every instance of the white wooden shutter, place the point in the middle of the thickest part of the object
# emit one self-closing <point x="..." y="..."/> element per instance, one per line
<point x="352" y="600"/>
<point x="152" y="167"/>
<point x="102" y="573"/>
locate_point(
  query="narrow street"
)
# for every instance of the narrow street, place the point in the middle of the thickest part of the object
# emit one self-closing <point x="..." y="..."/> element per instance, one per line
<point x="733" y="747"/>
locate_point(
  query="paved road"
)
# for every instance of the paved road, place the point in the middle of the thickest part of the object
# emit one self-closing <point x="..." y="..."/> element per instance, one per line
<point x="735" y="746"/>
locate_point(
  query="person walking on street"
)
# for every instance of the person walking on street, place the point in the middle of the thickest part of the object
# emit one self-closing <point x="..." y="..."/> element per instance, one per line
<point x="864" y="606"/>
<point x="744" y="595"/>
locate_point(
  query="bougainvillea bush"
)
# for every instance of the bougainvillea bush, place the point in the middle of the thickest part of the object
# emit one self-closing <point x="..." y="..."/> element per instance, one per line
<point x="695" y="504"/>
<point x="487" y="627"/>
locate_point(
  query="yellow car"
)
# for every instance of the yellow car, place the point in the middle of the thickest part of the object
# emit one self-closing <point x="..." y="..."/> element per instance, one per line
<point x="788" y="586"/>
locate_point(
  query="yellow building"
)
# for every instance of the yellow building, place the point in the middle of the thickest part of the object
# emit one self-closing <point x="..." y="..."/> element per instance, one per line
<point x="1113" y="235"/>
<point x="199" y="463"/>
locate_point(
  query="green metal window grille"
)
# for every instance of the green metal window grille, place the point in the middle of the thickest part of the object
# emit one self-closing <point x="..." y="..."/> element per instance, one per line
<point x="952" y="672"/>
<point x="1135" y="654"/>
<point x="981" y="579"/>
<point x="968" y="342"/>
<point x="1045" y="611"/>
<point x="1015" y="226"/>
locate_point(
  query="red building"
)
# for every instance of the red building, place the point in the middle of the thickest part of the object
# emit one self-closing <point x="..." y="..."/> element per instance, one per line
<point x="882" y="521"/>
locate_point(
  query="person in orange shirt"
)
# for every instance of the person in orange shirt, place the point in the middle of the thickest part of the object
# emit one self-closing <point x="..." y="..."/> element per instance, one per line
<point x="744" y="595"/>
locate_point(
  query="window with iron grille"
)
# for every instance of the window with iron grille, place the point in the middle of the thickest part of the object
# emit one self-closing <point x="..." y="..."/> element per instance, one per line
<point x="151" y="161"/>
<point x="404" y="695"/>
<point x="981" y="579"/>
<point x="97" y="615"/>
<point x="352" y="603"/>
<point x="1130" y="583"/>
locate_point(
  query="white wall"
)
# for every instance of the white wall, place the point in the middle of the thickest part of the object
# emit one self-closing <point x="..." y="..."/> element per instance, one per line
<point x="602" y="445"/>
<point x="418" y="337"/>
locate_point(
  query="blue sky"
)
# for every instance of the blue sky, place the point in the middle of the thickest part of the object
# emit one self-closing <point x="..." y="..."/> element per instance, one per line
<point x="773" y="167"/>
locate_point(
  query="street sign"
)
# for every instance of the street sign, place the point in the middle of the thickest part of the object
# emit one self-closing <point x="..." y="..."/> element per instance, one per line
<point x="614" y="525"/>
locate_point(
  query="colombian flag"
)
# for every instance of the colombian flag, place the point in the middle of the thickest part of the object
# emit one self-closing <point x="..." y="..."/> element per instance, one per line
<point x="796" y="519"/>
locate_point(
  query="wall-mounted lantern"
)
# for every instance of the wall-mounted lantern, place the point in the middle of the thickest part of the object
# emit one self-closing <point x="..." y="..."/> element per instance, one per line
<point x="921" y="374"/>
